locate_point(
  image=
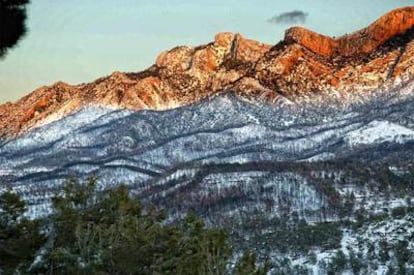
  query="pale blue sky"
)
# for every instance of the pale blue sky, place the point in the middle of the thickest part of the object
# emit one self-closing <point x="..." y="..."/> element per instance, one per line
<point x="80" y="40"/>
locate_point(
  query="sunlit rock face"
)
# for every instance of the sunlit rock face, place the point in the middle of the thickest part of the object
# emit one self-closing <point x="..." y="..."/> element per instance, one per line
<point x="289" y="73"/>
<point x="392" y="24"/>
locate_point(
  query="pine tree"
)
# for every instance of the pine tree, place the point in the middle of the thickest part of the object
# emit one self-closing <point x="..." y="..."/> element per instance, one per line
<point x="108" y="232"/>
<point x="20" y="238"/>
<point x="247" y="266"/>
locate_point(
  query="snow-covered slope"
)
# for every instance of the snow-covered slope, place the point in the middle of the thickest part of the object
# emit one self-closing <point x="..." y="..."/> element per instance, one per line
<point x="129" y="147"/>
<point x="377" y="132"/>
<point x="247" y="167"/>
<point x="138" y="148"/>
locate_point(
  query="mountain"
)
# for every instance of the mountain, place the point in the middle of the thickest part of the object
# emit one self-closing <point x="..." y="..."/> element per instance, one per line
<point x="302" y="151"/>
<point x="302" y="65"/>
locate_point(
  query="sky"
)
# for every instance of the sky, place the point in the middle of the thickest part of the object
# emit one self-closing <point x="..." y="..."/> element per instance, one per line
<point x="77" y="41"/>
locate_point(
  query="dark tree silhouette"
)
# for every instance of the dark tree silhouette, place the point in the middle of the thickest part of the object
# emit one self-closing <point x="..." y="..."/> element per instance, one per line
<point x="12" y="23"/>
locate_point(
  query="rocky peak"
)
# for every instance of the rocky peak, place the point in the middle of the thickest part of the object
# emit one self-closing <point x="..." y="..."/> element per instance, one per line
<point x="208" y="58"/>
<point x="298" y="68"/>
<point x="392" y="24"/>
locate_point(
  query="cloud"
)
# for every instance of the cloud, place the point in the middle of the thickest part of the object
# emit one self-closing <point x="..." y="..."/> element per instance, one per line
<point x="290" y="17"/>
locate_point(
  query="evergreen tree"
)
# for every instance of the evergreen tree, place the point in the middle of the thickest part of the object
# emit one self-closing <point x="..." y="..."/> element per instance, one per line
<point x="247" y="266"/>
<point x="109" y="232"/>
<point x="20" y="238"/>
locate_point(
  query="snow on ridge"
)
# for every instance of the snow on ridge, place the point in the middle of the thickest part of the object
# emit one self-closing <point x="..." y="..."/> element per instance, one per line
<point x="57" y="129"/>
<point x="379" y="131"/>
<point x="319" y="157"/>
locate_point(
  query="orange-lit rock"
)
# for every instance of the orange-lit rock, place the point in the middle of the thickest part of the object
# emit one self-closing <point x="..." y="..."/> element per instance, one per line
<point x="394" y="23"/>
<point x="302" y="64"/>
<point x="320" y="44"/>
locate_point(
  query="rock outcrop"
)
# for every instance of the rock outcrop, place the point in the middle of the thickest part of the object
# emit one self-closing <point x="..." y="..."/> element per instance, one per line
<point x="394" y="23"/>
<point x="301" y="65"/>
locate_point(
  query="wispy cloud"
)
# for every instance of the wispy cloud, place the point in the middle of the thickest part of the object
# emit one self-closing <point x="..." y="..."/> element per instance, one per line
<point x="291" y="17"/>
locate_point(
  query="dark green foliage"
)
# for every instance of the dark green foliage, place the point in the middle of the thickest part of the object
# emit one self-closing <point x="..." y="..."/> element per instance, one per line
<point x="347" y="207"/>
<point x="303" y="238"/>
<point x="399" y="184"/>
<point x="247" y="266"/>
<point x="312" y="258"/>
<point x="325" y="235"/>
<point x="371" y="251"/>
<point x="12" y="208"/>
<point x="326" y="187"/>
<point x="398" y="212"/>
<point x="339" y="261"/>
<point x="361" y="218"/>
<point x="12" y="23"/>
<point x="383" y="251"/>
<point x="108" y="232"/>
<point x="402" y="254"/>
<point x="355" y="262"/>
<point x="20" y="238"/>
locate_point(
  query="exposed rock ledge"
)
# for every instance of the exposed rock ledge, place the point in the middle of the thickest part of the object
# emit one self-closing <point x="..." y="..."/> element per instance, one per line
<point x="394" y="23"/>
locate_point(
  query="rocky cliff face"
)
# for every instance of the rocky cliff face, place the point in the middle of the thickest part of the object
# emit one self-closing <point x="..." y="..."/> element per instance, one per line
<point x="301" y="66"/>
<point x="364" y="41"/>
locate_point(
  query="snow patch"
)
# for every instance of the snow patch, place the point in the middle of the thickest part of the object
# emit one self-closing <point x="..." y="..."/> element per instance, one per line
<point x="320" y="157"/>
<point x="377" y="132"/>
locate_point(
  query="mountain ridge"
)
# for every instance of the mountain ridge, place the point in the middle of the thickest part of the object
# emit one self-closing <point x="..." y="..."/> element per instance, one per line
<point x="300" y="156"/>
<point x="366" y="40"/>
<point x="295" y="69"/>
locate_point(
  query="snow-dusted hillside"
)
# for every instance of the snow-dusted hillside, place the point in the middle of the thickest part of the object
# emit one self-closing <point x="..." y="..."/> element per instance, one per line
<point x="138" y="146"/>
<point x="256" y="170"/>
<point x="377" y="132"/>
